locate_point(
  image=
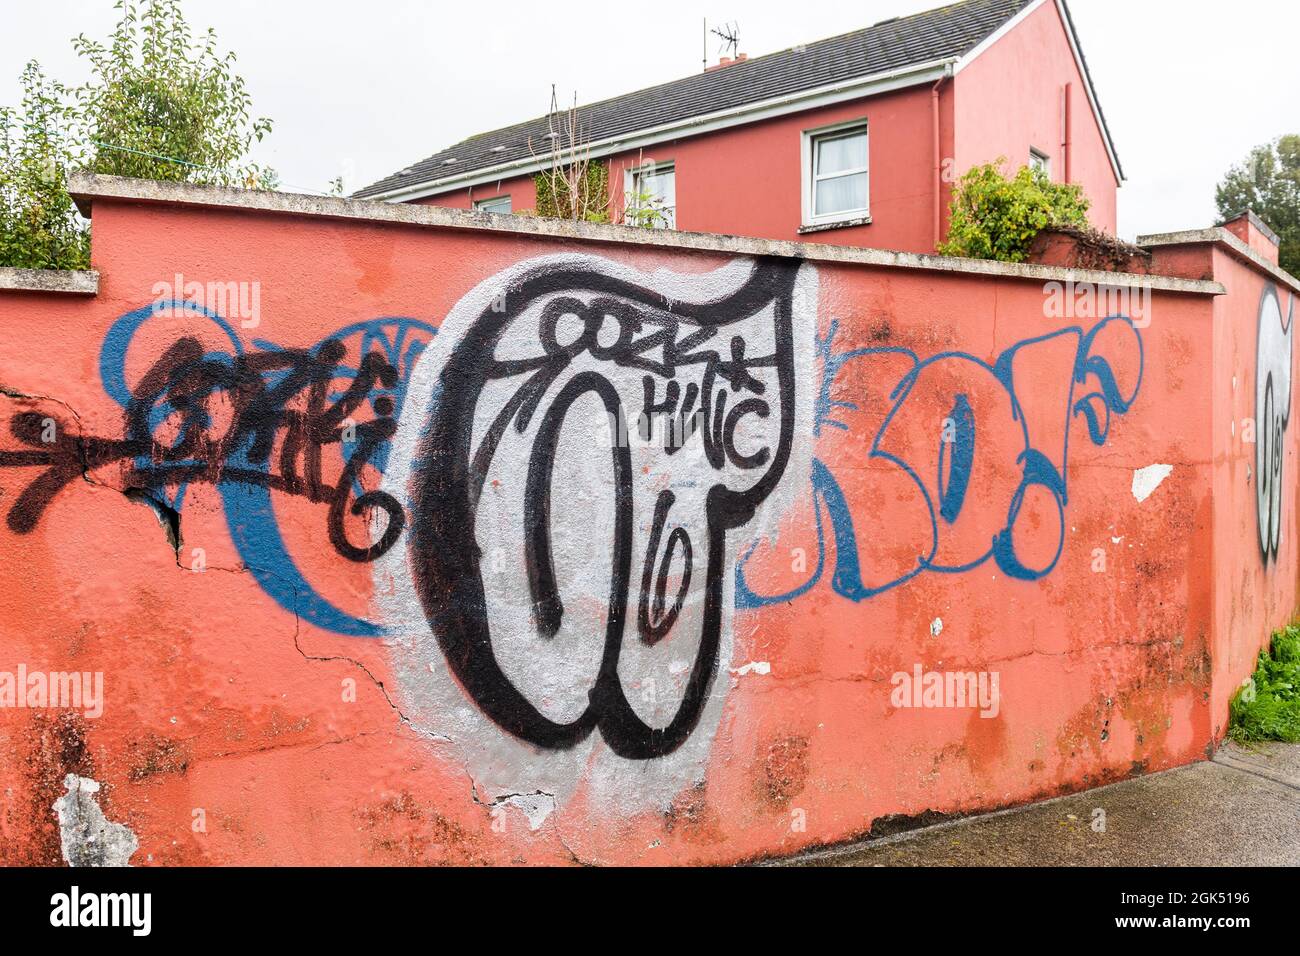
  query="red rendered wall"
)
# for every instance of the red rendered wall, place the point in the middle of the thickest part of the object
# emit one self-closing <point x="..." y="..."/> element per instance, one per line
<point x="241" y="724"/>
<point x="1254" y="585"/>
<point x="1244" y="229"/>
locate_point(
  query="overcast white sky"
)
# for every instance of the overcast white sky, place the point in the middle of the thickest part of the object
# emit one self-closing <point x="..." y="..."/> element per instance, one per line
<point x="365" y="88"/>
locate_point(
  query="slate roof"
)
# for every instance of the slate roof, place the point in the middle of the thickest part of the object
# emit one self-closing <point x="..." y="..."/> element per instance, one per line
<point x="950" y="31"/>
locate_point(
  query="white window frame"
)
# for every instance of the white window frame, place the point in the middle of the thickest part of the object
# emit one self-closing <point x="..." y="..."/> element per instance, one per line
<point x="809" y="151"/>
<point x="481" y="205"/>
<point x="649" y="167"/>
<point x="1040" y="160"/>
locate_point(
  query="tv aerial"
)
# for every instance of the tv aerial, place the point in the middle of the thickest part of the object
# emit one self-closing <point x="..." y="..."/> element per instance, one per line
<point x="729" y="34"/>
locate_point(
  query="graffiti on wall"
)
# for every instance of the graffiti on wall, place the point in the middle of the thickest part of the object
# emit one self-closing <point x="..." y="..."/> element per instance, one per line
<point x="1273" y="360"/>
<point x="567" y="489"/>
<point x="997" y="443"/>
<point x="249" y="422"/>
<point x="574" y="409"/>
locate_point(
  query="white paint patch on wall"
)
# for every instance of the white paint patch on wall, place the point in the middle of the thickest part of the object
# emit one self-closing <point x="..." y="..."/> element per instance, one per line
<point x="535" y="807"/>
<point x="1273" y="360"/>
<point x="1147" y="480"/>
<point x="87" y="837"/>
<point x="556" y="674"/>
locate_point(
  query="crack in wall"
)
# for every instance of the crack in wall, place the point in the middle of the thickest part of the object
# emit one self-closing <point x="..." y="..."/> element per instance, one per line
<point x="297" y="630"/>
<point x="538" y="806"/>
<point x="168" y="517"/>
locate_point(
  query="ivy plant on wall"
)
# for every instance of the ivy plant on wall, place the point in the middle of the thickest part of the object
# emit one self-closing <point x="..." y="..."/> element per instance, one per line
<point x="557" y="198"/>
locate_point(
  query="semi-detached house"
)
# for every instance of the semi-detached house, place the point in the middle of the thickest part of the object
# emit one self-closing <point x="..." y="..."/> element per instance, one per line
<point x="856" y="139"/>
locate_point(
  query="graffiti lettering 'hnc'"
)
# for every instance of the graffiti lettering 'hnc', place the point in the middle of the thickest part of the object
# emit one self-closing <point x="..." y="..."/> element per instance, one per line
<point x="518" y="398"/>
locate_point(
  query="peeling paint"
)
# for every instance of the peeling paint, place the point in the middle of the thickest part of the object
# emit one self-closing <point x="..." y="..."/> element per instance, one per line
<point x="88" y="837"/>
<point x="535" y="806"/>
<point x="1148" y="479"/>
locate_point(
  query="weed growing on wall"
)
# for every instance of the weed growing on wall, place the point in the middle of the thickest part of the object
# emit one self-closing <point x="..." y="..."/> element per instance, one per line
<point x="994" y="217"/>
<point x="645" y="210"/>
<point x="1268" y="705"/>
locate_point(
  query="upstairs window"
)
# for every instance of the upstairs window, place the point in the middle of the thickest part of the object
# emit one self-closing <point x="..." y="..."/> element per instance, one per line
<point x="835" y="179"/>
<point x="651" y="196"/>
<point x="1040" y="162"/>
<point x="497" y="204"/>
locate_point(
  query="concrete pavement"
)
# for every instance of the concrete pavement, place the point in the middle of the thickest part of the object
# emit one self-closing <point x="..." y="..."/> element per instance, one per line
<point x="1240" y="809"/>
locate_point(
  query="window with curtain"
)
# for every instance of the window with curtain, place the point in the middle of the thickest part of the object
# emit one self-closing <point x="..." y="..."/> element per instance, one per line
<point x="837" y="186"/>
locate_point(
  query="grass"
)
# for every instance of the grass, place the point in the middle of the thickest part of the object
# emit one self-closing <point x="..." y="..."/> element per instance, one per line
<point x="1268" y="706"/>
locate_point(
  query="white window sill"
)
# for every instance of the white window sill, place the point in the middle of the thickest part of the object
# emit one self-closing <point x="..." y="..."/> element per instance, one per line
<point x="863" y="220"/>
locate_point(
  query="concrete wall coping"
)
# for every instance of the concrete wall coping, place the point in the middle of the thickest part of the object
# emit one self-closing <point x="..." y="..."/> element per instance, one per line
<point x="86" y="188"/>
<point x="1221" y="236"/>
<point x="69" y="282"/>
<point x="1254" y="220"/>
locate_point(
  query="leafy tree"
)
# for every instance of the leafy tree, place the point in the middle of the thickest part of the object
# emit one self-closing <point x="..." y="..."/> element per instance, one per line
<point x="994" y="217"/>
<point x="39" y="225"/>
<point x="1268" y="183"/>
<point x="161" y="106"/>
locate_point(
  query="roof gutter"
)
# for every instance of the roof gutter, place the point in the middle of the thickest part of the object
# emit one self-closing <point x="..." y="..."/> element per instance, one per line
<point x="872" y="85"/>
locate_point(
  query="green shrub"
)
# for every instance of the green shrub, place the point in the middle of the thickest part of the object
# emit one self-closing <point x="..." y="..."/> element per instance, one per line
<point x="1268" y="706"/>
<point x="39" y="226"/>
<point x="994" y="217"/>
<point x="161" y="105"/>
